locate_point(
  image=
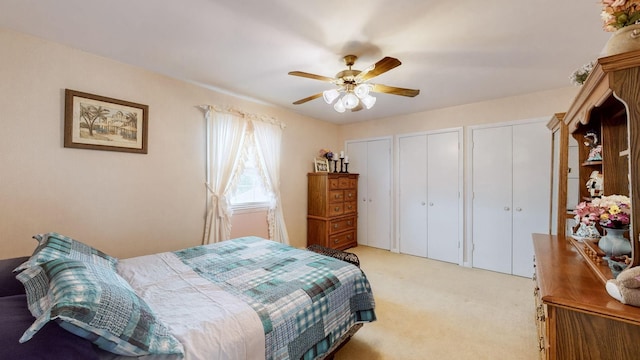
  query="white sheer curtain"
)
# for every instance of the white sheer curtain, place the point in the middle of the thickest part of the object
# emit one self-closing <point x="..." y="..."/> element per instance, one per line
<point x="226" y="132"/>
<point x="268" y="137"/>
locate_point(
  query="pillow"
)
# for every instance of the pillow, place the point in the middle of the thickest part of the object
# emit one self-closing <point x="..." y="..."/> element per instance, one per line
<point x="8" y="283"/>
<point x="52" y="342"/>
<point x="95" y="303"/>
<point x="53" y="246"/>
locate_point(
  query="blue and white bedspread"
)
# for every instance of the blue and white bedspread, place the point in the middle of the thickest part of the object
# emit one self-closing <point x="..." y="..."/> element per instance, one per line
<point x="251" y="298"/>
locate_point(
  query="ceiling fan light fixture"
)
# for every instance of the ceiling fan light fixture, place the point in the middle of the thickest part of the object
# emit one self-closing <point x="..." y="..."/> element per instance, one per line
<point x="368" y="101"/>
<point x="352" y="90"/>
<point x="362" y="90"/>
<point x="339" y="106"/>
<point x="330" y="95"/>
<point x="350" y="101"/>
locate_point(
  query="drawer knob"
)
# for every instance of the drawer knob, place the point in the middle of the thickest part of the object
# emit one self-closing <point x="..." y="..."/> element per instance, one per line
<point x="335" y="226"/>
<point x="336" y="241"/>
<point x="350" y="195"/>
<point x="337" y="208"/>
<point x="349" y="222"/>
<point x="348" y="236"/>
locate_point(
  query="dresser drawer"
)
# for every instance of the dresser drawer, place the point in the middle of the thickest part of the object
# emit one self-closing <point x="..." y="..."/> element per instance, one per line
<point x="342" y="240"/>
<point x="350" y="195"/>
<point x="336" y="196"/>
<point x="336" y="209"/>
<point x="350" y="207"/>
<point x="334" y="183"/>
<point x="336" y="226"/>
<point x="344" y="183"/>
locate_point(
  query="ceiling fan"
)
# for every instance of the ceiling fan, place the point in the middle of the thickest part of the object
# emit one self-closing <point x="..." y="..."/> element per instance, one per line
<point x="355" y="86"/>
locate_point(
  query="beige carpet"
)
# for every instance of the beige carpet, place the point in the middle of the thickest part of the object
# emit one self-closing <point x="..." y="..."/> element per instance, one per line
<point x="429" y="309"/>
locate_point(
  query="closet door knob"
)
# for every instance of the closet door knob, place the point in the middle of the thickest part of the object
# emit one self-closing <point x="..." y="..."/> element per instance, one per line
<point x="423" y="203"/>
<point x="430" y="204"/>
<point x="518" y="209"/>
<point x="506" y="208"/>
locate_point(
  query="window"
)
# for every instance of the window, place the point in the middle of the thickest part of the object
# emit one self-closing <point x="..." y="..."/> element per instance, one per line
<point x="250" y="189"/>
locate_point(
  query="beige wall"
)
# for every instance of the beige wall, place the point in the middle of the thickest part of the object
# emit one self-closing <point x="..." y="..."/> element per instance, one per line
<point x="132" y="204"/>
<point x="528" y="106"/>
<point x="124" y="204"/>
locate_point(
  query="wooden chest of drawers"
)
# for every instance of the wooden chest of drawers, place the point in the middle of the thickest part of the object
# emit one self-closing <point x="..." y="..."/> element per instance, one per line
<point x="332" y="210"/>
<point x="576" y="317"/>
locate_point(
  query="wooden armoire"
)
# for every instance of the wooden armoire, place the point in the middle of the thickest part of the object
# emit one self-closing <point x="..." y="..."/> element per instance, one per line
<point x="576" y="317"/>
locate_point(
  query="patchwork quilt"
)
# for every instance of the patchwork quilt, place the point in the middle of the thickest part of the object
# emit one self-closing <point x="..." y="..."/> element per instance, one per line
<point x="302" y="302"/>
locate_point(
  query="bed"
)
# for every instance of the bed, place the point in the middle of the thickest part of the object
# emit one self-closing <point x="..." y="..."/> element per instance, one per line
<point x="246" y="298"/>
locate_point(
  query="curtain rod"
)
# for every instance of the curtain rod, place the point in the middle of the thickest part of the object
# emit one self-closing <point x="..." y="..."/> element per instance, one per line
<point x="239" y="112"/>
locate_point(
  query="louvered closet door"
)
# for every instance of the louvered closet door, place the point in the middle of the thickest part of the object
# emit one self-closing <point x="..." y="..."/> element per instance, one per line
<point x="492" y="197"/>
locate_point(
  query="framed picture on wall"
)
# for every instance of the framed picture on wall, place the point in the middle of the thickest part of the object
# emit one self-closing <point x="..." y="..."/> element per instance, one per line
<point x="321" y="165"/>
<point x="101" y="123"/>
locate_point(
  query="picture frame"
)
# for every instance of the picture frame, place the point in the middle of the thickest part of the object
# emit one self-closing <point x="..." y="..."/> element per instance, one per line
<point x="102" y="123"/>
<point x="321" y="165"/>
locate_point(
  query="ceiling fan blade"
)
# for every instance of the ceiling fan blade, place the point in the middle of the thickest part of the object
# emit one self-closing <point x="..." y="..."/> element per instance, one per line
<point x="395" y="90"/>
<point x="311" y="76"/>
<point x="309" y="98"/>
<point x="381" y="67"/>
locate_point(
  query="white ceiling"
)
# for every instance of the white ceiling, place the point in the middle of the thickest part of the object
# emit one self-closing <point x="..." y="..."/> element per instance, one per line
<point x="455" y="52"/>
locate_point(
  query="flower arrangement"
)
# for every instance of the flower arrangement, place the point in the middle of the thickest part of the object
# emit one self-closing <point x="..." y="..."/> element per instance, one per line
<point x="326" y="153"/>
<point x="580" y="76"/>
<point x="612" y="211"/>
<point x="617" y="14"/>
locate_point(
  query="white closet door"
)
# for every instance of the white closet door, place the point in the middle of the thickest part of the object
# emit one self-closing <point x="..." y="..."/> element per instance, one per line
<point x="492" y="197"/>
<point x="531" y="189"/>
<point x="372" y="160"/>
<point x="443" y="196"/>
<point x="412" y="187"/>
<point x="379" y="193"/>
<point x="358" y="155"/>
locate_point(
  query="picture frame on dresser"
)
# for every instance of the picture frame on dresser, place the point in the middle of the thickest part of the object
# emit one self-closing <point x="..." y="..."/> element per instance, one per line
<point x="320" y="165"/>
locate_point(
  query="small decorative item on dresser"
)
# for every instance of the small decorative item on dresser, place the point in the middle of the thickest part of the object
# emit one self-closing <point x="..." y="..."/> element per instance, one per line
<point x="579" y="76"/>
<point x="595" y="184"/>
<point x="586" y="216"/>
<point x="591" y="140"/>
<point x="622" y="17"/>
<point x="613" y="212"/>
<point x="321" y="165"/>
<point x="626" y="286"/>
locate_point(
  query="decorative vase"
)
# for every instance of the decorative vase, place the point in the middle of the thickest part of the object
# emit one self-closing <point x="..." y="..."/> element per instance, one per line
<point x="614" y="243"/>
<point x="623" y="40"/>
<point x="587" y="231"/>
